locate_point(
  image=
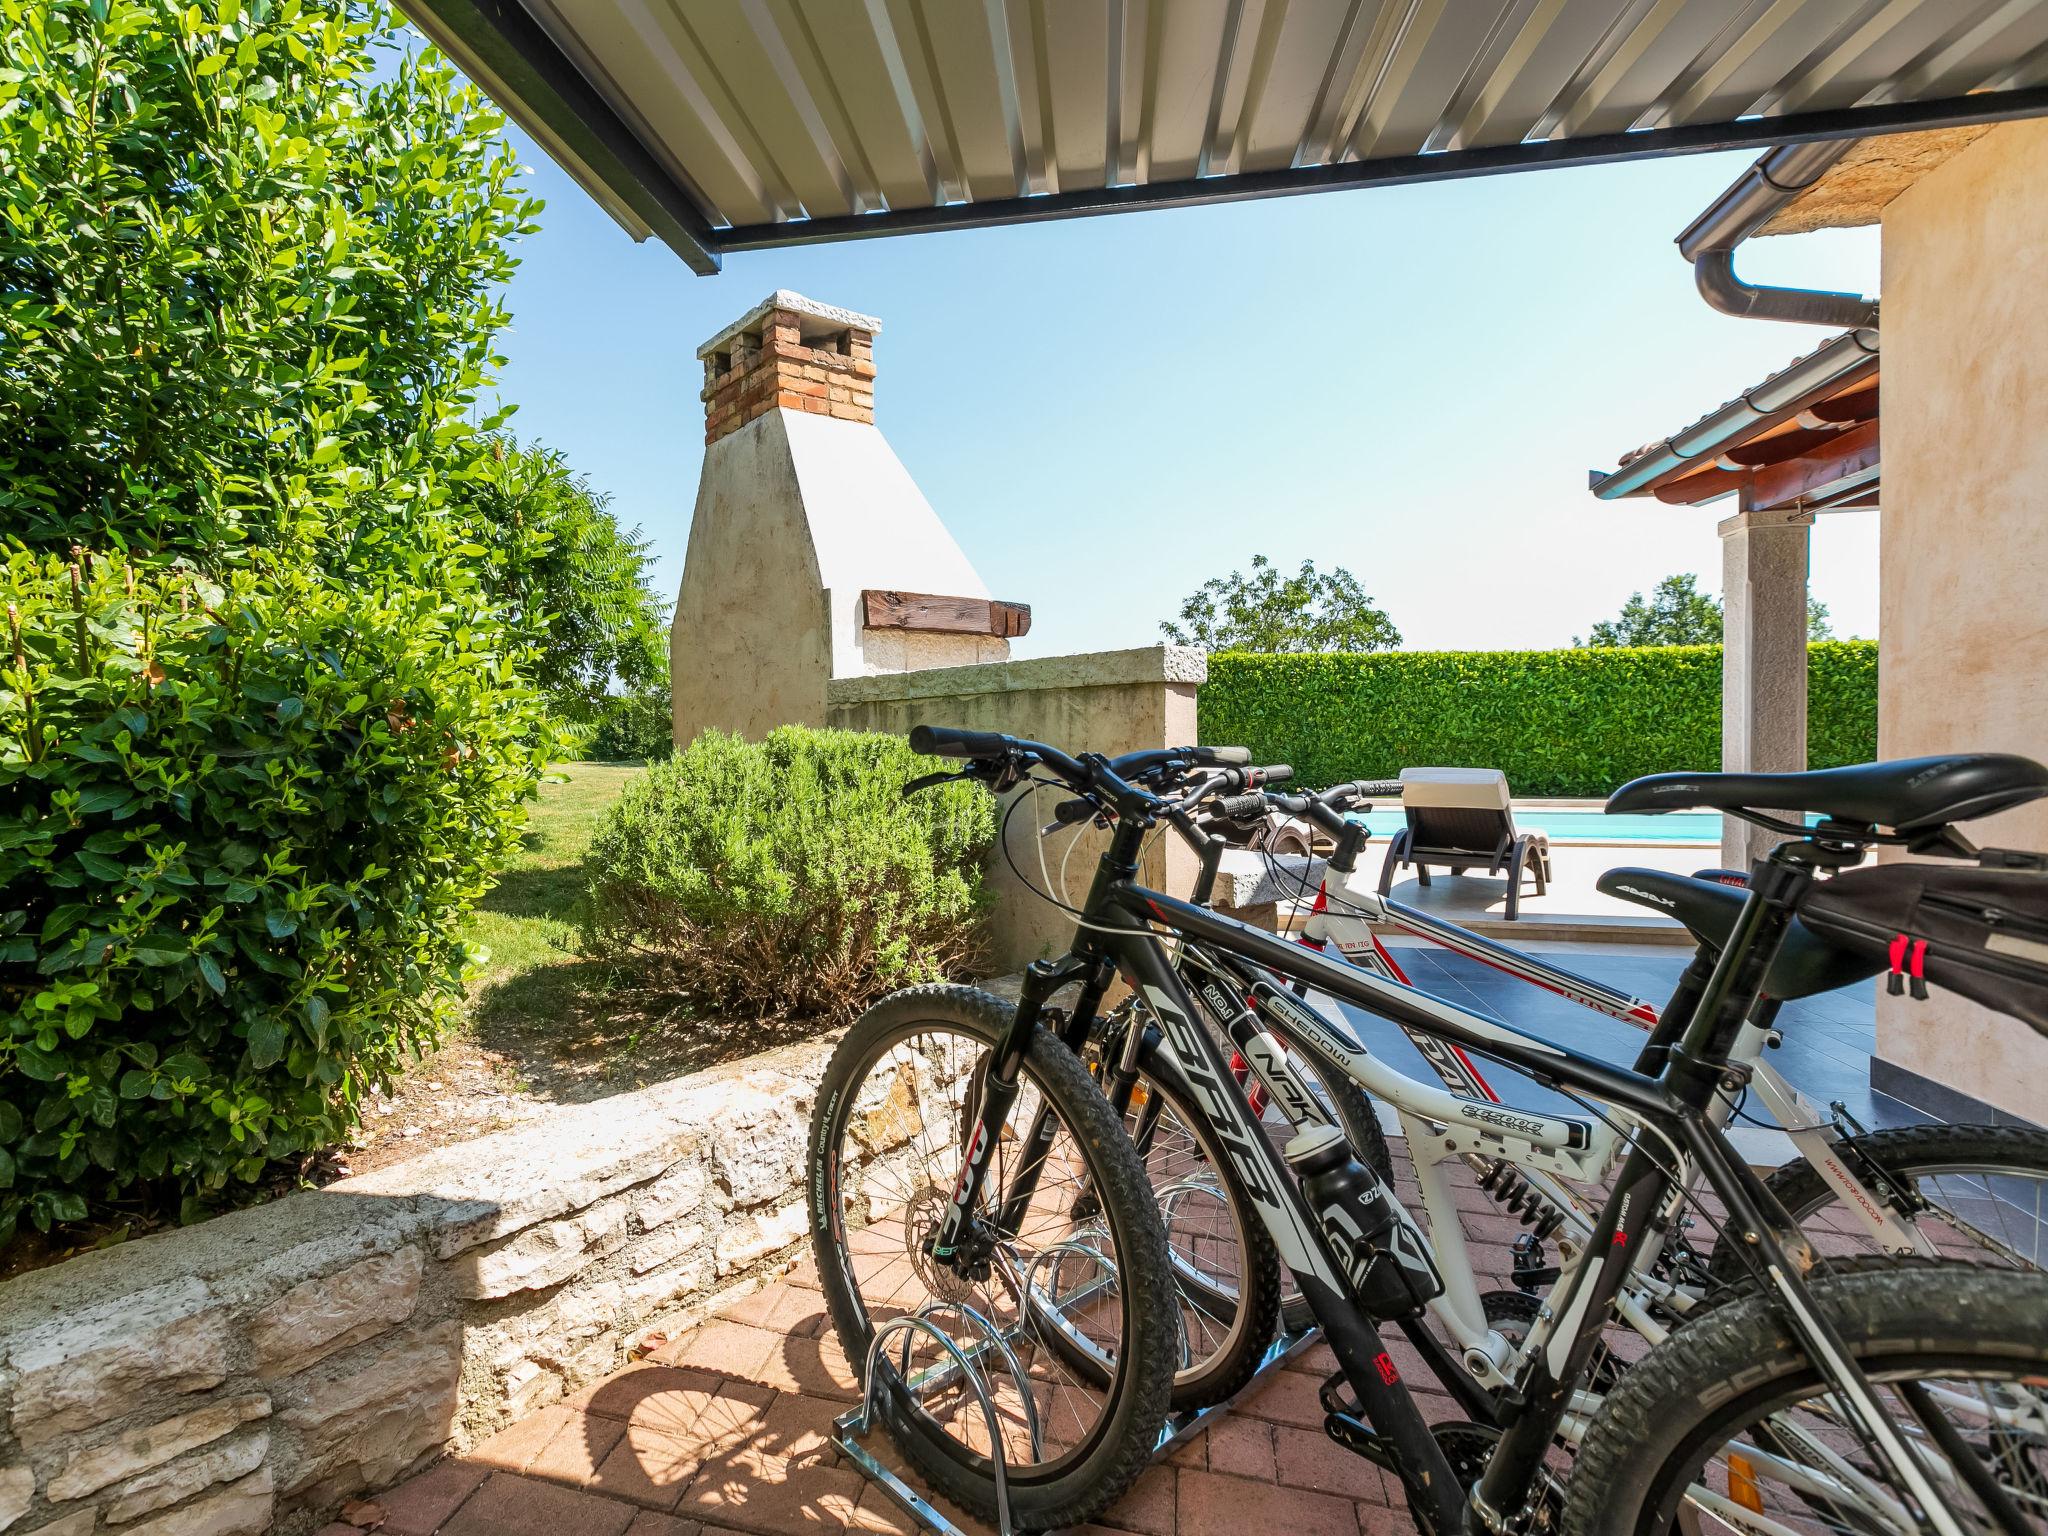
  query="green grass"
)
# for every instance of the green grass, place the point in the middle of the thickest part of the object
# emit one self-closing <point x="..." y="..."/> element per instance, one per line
<point x="545" y="1019"/>
<point x="530" y="920"/>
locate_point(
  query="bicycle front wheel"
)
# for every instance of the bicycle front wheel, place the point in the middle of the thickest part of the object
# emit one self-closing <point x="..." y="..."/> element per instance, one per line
<point x="1073" y="1249"/>
<point x="1728" y="1425"/>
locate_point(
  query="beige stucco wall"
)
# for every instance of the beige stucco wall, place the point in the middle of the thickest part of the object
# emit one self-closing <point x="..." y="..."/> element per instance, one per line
<point x="1964" y="568"/>
<point x="796" y="516"/>
<point x="1105" y="701"/>
<point x="751" y="646"/>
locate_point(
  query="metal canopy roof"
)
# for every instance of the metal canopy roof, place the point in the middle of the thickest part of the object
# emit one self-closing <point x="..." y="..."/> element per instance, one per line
<point x="723" y="125"/>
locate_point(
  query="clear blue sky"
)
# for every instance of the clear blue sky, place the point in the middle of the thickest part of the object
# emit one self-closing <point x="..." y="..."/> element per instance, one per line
<point x="1409" y="382"/>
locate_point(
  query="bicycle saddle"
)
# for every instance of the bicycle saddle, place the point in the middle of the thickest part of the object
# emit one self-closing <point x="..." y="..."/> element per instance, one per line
<point x="1910" y="795"/>
<point x="1806" y="965"/>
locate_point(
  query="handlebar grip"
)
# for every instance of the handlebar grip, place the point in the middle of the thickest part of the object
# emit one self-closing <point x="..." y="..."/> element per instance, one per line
<point x="1223" y="757"/>
<point x="1278" y="773"/>
<point x="1067" y="812"/>
<point x="1246" y="807"/>
<point x="946" y="741"/>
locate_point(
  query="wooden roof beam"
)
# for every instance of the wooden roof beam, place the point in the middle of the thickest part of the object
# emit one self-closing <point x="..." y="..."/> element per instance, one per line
<point x="1850" y="460"/>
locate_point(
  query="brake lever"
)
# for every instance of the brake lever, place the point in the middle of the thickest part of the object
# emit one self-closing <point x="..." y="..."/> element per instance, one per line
<point x="933" y="780"/>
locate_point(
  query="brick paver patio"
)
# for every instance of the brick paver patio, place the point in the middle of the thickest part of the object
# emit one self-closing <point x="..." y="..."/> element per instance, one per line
<point x="726" y="1429"/>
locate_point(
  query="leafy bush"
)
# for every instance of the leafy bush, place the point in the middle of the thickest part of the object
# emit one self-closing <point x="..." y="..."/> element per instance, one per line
<point x="633" y="728"/>
<point x="1576" y="722"/>
<point x="789" y="878"/>
<point x="243" y="827"/>
<point x="264" y="738"/>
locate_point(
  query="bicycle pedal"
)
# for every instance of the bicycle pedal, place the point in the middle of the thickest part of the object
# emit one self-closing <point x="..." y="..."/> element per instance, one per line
<point x="1337" y="1399"/>
<point x="1359" y="1438"/>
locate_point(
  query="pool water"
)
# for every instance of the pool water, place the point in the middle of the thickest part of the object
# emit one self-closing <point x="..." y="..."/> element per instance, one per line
<point x="1703" y="827"/>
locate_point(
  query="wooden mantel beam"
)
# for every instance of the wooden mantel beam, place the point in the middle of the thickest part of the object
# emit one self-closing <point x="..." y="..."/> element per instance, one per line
<point x="944" y="615"/>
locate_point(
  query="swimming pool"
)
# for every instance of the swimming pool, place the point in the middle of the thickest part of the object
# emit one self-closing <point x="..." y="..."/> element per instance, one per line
<point x="1702" y="827"/>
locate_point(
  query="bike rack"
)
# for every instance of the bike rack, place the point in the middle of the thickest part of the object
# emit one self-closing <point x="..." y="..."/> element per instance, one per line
<point x="851" y="1427"/>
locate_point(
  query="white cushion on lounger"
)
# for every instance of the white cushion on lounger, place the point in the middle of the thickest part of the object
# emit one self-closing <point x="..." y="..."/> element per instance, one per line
<point x="1478" y="789"/>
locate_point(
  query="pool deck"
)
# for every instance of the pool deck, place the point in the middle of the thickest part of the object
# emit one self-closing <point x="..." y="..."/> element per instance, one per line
<point x="1570" y="909"/>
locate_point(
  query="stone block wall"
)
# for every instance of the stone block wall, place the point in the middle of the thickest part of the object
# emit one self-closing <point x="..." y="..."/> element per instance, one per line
<point x="250" y="1373"/>
<point x="1098" y="701"/>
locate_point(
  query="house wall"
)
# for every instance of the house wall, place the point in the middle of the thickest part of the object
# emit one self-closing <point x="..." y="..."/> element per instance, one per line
<point x="1964" y="568"/>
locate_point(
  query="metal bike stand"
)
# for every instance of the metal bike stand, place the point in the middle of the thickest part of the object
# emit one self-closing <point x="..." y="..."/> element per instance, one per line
<point x="852" y="1426"/>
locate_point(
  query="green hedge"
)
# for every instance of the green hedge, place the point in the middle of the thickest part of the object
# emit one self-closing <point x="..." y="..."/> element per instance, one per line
<point x="1578" y="722"/>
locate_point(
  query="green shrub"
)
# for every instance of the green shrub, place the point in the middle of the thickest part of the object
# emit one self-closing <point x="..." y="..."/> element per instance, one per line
<point x="1571" y="722"/>
<point x="789" y="878"/>
<point x="242" y="829"/>
<point x="633" y="728"/>
<point x="265" y="740"/>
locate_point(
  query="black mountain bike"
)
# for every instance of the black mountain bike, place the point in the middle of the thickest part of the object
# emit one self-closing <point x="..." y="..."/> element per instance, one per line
<point x="961" y="1154"/>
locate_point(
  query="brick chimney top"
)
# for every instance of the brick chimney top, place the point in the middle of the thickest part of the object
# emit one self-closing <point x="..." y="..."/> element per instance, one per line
<point x="792" y="353"/>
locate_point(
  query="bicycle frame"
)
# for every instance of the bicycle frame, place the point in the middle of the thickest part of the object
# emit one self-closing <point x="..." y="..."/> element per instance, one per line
<point x="1116" y="936"/>
<point x="1346" y="920"/>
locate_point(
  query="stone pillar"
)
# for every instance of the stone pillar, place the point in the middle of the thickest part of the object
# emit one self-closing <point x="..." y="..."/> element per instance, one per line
<point x="1763" y="661"/>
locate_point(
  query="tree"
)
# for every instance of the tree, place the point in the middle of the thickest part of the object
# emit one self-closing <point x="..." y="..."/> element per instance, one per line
<point x="1266" y="611"/>
<point x="580" y="585"/>
<point x="1678" y="613"/>
<point x="266" y="730"/>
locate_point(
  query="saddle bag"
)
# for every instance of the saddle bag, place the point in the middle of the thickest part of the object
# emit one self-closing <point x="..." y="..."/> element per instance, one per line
<point x="1980" y="932"/>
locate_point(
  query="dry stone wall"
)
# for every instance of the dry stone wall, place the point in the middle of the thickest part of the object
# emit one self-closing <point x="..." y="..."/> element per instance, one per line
<point x="251" y="1373"/>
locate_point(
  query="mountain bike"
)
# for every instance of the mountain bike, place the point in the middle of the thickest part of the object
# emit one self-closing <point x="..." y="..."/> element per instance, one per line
<point x="1812" y="1392"/>
<point x="1978" y="1192"/>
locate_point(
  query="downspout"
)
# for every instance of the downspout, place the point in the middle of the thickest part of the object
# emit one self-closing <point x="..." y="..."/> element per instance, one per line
<point x="1709" y="243"/>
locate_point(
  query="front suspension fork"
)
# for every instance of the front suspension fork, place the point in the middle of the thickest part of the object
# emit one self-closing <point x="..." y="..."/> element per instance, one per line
<point x="1000" y="1086"/>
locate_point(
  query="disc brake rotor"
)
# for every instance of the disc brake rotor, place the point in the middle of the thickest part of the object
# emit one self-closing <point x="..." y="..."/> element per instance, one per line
<point x="926" y="1210"/>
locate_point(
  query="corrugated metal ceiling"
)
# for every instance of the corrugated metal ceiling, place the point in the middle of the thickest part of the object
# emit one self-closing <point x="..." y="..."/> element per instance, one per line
<point x="783" y="119"/>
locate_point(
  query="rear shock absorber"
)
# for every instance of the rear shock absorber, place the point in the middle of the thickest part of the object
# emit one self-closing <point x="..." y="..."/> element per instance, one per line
<point x="1504" y="1183"/>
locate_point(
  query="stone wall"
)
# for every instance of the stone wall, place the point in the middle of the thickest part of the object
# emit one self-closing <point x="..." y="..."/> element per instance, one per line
<point x="252" y="1372"/>
<point x="1100" y="701"/>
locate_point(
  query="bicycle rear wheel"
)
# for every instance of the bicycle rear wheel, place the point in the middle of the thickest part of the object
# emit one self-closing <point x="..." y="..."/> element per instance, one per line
<point x="1086" y="1259"/>
<point x="1729" y="1425"/>
<point x="1982" y="1189"/>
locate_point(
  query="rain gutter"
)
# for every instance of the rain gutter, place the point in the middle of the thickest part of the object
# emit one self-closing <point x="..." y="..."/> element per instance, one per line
<point x="1709" y="243"/>
<point x="1812" y="378"/>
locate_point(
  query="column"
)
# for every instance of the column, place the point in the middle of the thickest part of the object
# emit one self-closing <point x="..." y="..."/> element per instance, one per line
<point x="1763" y="662"/>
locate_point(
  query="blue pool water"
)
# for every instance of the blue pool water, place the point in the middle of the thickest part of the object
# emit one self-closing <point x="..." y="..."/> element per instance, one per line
<point x="1589" y="826"/>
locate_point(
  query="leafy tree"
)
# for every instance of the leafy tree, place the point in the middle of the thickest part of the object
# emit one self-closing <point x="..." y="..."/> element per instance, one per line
<point x="1678" y="613"/>
<point x="265" y="734"/>
<point x="580" y="585"/>
<point x="1266" y="611"/>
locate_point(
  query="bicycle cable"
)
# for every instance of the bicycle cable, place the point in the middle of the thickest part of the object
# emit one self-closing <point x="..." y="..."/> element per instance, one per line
<point x="1046" y="895"/>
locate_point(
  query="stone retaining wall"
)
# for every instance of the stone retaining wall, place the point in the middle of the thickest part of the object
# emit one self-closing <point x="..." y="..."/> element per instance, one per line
<point x="250" y="1373"/>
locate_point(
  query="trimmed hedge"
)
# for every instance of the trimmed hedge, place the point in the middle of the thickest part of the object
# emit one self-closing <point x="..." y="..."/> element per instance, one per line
<point x="1570" y="722"/>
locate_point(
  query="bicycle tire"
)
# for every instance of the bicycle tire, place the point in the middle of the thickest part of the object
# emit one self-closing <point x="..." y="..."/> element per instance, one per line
<point x="1738" y="1360"/>
<point x="1120" y="1447"/>
<point x="1906" y="1153"/>
<point x="1223" y="1373"/>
